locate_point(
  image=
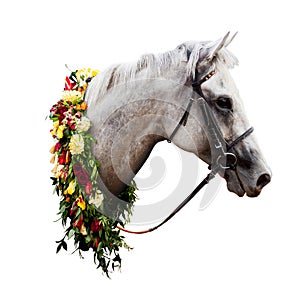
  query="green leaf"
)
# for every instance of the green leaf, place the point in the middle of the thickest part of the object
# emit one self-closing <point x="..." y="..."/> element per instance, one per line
<point x="77" y="212"/>
<point x="58" y="248"/>
<point x="64" y="245"/>
<point x="71" y="233"/>
<point x="117" y="259"/>
<point x="87" y="238"/>
<point x="99" y="246"/>
<point x="62" y="209"/>
<point x="54" y="181"/>
<point x="94" y="173"/>
<point x="92" y="163"/>
<point x="70" y="170"/>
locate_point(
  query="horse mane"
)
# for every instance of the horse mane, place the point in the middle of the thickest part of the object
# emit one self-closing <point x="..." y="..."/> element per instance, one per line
<point x="155" y="65"/>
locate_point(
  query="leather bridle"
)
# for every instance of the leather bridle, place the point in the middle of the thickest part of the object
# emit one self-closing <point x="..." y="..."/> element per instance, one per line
<point x="221" y="156"/>
<point x="219" y="146"/>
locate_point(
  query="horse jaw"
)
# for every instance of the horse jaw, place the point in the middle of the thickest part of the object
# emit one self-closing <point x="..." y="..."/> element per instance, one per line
<point x="233" y="183"/>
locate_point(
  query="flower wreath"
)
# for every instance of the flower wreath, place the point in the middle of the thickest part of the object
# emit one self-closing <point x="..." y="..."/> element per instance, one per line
<point x="75" y="175"/>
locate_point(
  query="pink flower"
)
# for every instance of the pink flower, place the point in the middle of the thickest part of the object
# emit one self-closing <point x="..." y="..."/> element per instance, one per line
<point x="88" y="187"/>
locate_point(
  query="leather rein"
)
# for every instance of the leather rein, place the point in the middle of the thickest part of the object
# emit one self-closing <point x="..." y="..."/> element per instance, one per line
<point x="222" y="159"/>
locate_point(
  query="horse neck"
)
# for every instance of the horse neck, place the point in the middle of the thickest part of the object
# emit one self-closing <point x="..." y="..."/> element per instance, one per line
<point x="130" y="126"/>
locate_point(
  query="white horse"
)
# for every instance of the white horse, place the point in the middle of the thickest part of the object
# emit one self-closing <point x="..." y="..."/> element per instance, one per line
<point x="134" y="106"/>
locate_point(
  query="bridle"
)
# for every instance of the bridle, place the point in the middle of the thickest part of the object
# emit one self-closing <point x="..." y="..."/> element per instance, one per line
<point x="219" y="146"/>
<point x="221" y="157"/>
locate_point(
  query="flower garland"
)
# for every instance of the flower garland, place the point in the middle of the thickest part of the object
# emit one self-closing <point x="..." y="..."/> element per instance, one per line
<point x="75" y="175"/>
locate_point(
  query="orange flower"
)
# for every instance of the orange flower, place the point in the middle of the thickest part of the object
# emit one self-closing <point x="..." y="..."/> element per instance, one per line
<point x="68" y="156"/>
<point x="83" y="105"/>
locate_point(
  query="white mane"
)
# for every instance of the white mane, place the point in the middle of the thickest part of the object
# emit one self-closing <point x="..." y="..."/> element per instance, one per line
<point x="155" y="66"/>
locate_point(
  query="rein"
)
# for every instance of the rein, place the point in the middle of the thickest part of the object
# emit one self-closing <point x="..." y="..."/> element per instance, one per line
<point x="222" y="159"/>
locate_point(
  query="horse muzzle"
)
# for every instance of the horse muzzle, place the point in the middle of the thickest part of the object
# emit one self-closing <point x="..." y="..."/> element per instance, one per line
<point x="250" y="181"/>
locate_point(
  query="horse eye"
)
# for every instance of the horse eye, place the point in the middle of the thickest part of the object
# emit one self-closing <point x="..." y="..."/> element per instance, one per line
<point x="224" y="103"/>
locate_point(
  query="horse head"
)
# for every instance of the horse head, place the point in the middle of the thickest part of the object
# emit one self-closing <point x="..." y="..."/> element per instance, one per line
<point x="251" y="172"/>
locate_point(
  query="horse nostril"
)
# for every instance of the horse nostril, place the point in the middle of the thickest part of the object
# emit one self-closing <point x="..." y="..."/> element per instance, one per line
<point x="263" y="180"/>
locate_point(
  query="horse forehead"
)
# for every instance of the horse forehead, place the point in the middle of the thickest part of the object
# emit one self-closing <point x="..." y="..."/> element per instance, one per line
<point x="223" y="81"/>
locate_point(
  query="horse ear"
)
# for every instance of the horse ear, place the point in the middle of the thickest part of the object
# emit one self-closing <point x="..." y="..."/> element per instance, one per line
<point x="215" y="47"/>
<point x="230" y="40"/>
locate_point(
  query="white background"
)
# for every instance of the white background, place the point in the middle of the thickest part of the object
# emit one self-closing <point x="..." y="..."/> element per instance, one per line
<point x="238" y="249"/>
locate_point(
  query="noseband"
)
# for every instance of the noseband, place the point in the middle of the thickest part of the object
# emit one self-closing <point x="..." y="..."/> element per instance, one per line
<point x="221" y="157"/>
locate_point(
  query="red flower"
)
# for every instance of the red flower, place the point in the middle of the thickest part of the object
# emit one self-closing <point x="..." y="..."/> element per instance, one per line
<point x="68" y="84"/>
<point x="96" y="242"/>
<point x="73" y="211"/>
<point x="81" y="174"/>
<point x="57" y="147"/>
<point x="95" y="226"/>
<point x="78" y="223"/>
<point x="88" y="187"/>
<point x="77" y="167"/>
<point x="61" y="112"/>
<point x="62" y="158"/>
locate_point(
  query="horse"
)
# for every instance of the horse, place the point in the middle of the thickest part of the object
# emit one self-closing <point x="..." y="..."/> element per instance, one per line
<point x="134" y="106"/>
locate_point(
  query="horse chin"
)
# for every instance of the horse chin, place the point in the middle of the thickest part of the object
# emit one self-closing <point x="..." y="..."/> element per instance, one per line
<point x="233" y="183"/>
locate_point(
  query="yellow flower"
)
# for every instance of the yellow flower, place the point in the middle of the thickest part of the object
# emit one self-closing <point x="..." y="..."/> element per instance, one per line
<point x="76" y="144"/>
<point x="71" y="95"/>
<point x="55" y="126"/>
<point x="81" y="203"/>
<point x="83" y="74"/>
<point x="95" y="72"/>
<point x="60" y="131"/>
<point x="71" y="188"/>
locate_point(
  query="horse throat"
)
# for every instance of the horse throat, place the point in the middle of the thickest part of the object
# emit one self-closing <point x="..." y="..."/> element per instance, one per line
<point x="124" y="142"/>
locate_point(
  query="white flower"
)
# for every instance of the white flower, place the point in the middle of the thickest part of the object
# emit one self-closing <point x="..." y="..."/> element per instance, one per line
<point x="97" y="200"/>
<point x="57" y="170"/>
<point x="76" y="144"/>
<point x="84" y="124"/>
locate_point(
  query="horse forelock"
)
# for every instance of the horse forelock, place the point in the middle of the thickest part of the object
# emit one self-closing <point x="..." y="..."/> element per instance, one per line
<point x="156" y="65"/>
